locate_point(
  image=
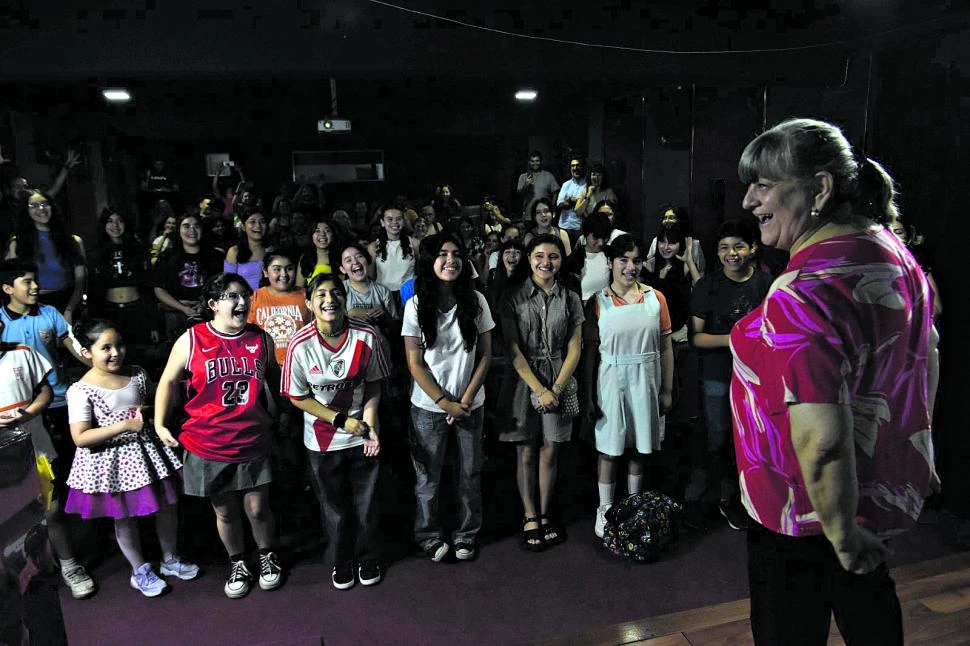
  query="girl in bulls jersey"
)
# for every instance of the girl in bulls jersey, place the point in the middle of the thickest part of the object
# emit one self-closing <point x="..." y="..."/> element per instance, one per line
<point x="333" y="373"/>
<point x="227" y="431"/>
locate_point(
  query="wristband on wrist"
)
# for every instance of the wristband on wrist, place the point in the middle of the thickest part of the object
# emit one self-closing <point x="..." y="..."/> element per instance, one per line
<point x="339" y="420"/>
<point x="443" y="395"/>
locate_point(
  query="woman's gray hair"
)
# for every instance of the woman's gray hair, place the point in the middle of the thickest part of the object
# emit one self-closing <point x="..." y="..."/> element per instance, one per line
<point x="797" y="149"/>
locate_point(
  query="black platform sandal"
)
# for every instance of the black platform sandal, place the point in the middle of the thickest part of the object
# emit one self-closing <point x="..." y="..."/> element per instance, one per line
<point x="532" y="540"/>
<point x="552" y="533"/>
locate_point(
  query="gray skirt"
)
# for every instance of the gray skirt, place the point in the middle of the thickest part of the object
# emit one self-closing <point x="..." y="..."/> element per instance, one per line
<point x="523" y="423"/>
<point x="205" y="478"/>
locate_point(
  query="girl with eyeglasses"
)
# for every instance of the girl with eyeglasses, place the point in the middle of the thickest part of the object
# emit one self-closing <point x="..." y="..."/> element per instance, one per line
<point x="41" y="237"/>
<point x="226" y="363"/>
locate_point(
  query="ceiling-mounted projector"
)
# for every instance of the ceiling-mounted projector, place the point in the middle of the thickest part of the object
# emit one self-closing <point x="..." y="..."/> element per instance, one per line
<point x="332" y="125"/>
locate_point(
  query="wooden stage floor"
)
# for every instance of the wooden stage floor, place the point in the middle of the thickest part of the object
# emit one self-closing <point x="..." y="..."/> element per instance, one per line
<point x="935" y="596"/>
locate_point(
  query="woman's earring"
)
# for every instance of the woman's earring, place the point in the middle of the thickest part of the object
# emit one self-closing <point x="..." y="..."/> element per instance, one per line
<point x="815" y="213"/>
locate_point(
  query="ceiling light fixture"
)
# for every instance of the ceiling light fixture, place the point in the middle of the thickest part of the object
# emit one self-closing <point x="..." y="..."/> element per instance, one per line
<point x="526" y="95"/>
<point x="116" y="95"/>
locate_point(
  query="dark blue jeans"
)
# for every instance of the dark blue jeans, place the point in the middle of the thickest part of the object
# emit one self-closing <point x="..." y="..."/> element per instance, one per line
<point x="345" y="483"/>
<point x="429" y="445"/>
<point x="719" y="466"/>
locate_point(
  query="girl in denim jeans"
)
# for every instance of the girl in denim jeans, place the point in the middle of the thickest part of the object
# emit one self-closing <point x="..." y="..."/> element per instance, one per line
<point x="448" y="342"/>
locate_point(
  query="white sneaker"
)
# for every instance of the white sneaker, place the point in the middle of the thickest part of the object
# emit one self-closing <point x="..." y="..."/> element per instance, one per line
<point x="179" y="567"/>
<point x="147" y="582"/>
<point x="79" y="581"/>
<point x="600" y="525"/>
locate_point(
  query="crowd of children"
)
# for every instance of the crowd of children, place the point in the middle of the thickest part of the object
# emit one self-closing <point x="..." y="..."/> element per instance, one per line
<point x="306" y="341"/>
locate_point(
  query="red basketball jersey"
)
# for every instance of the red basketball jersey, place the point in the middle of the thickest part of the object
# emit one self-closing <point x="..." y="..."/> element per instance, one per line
<point x="227" y="417"/>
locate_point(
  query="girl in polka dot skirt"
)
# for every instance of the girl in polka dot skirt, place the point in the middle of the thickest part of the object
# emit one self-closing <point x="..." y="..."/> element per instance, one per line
<point x="121" y="469"/>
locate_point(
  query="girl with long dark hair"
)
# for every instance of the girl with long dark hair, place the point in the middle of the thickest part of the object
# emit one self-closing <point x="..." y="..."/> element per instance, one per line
<point x="542" y="216"/>
<point x="670" y="215"/>
<point x="180" y="274"/>
<point x="673" y="273"/>
<point x="321" y="256"/>
<point x="41" y="237"/>
<point x="393" y="253"/>
<point x="448" y="342"/>
<point x="120" y="289"/>
<point x="162" y="235"/>
<point x="246" y="258"/>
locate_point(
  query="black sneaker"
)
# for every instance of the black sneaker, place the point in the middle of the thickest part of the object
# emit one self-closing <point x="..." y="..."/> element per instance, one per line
<point x="369" y="573"/>
<point x="437" y="551"/>
<point x="240" y="580"/>
<point x="270" y="572"/>
<point x="465" y="551"/>
<point x="343" y="576"/>
<point x="693" y="516"/>
<point x="734" y="513"/>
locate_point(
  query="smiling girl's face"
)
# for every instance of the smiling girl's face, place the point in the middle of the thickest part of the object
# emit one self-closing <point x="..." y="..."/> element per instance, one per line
<point x="255" y="226"/>
<point x="328" y="303"/>
<point x="511" y="258"/>
<point x="322" y="235"/>
<point x="280" y="274"/>
<point x="448" y="264"/>
<point x="626" y="268"/>
<point x="668" y="249"/>
<point x="114" y="226"/>
<point x="353" y="262"/>
<point x="545" y="261"/>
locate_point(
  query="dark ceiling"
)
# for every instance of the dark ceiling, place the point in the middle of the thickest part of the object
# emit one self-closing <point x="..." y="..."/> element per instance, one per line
<point x="667" y="41"/>
<point x="200" y="58"/>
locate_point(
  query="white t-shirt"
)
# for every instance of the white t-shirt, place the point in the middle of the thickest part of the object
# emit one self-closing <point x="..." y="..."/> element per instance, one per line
<point x="334" y="376"/>
<point x="24" y="370"/>
<point x="596" y="274"/>
<point x="392" y="272"/>
<point x="493" y="260"/>
<point x="448" y="361"/>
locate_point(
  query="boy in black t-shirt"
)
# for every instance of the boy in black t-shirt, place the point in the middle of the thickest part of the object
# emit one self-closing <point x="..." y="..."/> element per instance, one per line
<point x="718" y="301"/>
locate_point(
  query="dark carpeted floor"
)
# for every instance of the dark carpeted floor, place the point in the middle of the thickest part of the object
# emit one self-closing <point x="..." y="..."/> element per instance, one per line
<point x="506" y="596"/>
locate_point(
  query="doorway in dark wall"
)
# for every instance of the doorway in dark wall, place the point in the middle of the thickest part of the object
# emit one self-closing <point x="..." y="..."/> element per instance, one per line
<point x="665" y="134"/>
<point x="716" y="190"/>
<point x="622" y="133"/>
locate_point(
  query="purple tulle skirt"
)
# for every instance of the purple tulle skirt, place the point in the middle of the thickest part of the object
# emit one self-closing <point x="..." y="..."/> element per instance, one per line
<point x="139" y="502"/>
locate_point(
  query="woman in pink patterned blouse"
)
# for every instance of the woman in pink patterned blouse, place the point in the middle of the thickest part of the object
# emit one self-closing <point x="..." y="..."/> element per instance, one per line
<point x="833" y="376"/>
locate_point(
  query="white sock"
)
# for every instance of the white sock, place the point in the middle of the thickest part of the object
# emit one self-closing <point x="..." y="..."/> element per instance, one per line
<point x="606" y="492"/>
<point x="633" y="483"/>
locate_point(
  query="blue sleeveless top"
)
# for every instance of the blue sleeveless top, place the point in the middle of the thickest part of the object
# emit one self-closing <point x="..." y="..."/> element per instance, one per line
<point x="52" y="274"/>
